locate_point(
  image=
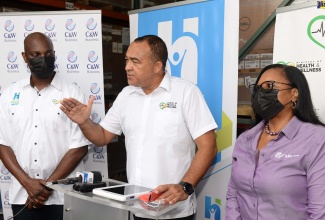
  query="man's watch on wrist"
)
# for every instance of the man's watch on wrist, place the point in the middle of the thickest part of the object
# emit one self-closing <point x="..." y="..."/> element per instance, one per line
<point x="187" y="187"/>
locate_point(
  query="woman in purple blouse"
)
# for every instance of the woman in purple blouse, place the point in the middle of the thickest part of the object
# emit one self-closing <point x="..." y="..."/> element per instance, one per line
<point x="278" y="168"/>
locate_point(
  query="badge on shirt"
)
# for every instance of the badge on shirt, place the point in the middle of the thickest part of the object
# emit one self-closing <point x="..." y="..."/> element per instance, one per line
<point x="163" y="105"/>
<point x="56" y="101"/>
<point x="15" y="100"/>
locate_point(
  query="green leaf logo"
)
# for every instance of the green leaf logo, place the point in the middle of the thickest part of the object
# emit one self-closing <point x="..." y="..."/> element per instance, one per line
<point x="320" y="30"/>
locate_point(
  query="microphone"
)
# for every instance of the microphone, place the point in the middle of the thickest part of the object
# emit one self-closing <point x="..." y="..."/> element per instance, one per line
<point x="68" y="180"/>
<point x="83" y="177"/>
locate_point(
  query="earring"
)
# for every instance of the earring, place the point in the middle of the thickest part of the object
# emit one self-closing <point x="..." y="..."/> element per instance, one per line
<point x="294" y="104"/>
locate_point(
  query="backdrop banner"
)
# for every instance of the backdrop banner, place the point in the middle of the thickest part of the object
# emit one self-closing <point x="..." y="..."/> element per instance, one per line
<point x="77" y="39"/>
<point x="202" y="41"/>
<point x="299" y="41"/>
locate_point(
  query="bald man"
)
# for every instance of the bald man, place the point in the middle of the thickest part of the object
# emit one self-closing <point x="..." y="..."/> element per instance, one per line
<point x="38" y="143"/>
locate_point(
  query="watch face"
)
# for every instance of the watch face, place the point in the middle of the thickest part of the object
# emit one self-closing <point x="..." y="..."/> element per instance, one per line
<point x="188" y="188"/>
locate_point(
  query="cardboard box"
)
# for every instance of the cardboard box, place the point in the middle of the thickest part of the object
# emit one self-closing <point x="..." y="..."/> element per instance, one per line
<point x="250" y="64"/>
<point x="265" y="63"/>
<point x="252" y="15"/>
<point x="245" y="110"/>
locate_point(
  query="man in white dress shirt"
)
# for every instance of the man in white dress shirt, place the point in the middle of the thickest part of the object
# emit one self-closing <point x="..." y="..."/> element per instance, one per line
<point x="38" y="142"/>
<point x="164" y="119"/>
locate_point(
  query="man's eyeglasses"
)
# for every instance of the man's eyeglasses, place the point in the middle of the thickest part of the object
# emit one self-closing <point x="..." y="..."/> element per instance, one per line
<point x="267" y="87"/>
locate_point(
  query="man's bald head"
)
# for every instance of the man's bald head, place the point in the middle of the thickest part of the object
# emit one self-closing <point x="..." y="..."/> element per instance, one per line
<point x="39" y="55"/>
<point x="37" y="39"/>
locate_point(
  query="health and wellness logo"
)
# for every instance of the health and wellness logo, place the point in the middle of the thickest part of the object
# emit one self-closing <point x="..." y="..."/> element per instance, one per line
<point x="93" y="66"/>
<point x="9" y="36"/>
<point x="15" y="99"/>
<point x="306" y="66"/>
<point x="212" y="208"/>
<point x="190" y="51"/>
<point x="56" y="101"/>
<point x="95" y="118"/>
<point x="184" y="51"/>
<point x="316" y="30"/>
<point x="163" y="105"/>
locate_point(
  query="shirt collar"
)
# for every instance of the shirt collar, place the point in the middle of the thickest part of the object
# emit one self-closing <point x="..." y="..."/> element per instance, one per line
<point x="55" y="82"/>
<point x="291" y="129"/>
<point x="164" y="84"/>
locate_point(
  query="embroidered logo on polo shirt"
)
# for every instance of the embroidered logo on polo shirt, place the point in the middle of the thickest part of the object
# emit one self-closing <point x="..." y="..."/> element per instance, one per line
<point x="15" y="100"/>
<point x="163" y="105"/>
<point x="55" y="101"/>
<point x="282" y="155"/>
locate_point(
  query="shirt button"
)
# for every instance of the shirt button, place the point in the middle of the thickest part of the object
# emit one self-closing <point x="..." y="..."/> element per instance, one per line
<point x="37" y="174"/>
<point x="35" y="126"/>
<point x="36" y="109"/>
<point x="254" y="205"/>
<point x="262" y="154"/>
<point x="35" y="143"/>
<point x="39" y="94"/>
<point x="35" y="160"/>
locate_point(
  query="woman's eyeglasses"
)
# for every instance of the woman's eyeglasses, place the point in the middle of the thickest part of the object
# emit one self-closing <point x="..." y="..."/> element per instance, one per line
<point x="267" y="87"/>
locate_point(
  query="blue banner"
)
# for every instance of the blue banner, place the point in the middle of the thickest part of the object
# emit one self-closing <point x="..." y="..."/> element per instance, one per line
<point x="194" y="35"/>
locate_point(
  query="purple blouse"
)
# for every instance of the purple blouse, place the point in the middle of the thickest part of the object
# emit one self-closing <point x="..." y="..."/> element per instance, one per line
<point x="288" y="179"/>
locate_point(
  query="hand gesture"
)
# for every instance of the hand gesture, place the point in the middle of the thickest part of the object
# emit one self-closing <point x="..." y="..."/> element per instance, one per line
<point x="76" y="111"/>
<point x="37" y="193"/>
<point x="171" y="193"/>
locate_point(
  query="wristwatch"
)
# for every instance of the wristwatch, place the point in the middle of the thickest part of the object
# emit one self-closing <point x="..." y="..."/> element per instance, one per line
<point x="187" y="187"/>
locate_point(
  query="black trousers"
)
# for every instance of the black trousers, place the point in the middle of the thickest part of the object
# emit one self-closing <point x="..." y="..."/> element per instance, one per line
<point x="46" y="212"/>
<point x="184" y="218"/>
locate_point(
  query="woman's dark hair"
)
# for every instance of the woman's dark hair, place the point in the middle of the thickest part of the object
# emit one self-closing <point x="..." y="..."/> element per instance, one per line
<point x="157" y="46"/>
<point x="304" y="109"/>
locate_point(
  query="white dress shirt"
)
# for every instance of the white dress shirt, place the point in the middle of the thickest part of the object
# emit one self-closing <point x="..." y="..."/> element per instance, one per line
<point x="39" y="133"/>
<point x="160" y="129"/>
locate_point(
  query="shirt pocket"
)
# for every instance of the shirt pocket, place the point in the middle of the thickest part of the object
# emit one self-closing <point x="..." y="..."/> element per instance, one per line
<point x="56" y="120"/>
<point x="166" y="124"/>
<point x="17" y="120"/>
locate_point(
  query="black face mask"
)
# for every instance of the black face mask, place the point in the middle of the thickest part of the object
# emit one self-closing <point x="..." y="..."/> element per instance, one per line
<point x="42" y="67"/>
<point x="267" y="105"/>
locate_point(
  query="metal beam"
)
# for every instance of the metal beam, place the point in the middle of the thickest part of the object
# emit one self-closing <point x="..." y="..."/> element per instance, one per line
<point x="262" y="30"/>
